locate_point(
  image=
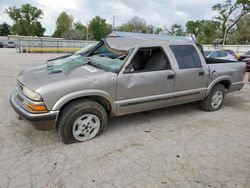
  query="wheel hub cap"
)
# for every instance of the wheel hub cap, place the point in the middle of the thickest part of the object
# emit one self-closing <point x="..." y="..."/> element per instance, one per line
<point x="86" y="127"/>
<point x="217" y="99"/>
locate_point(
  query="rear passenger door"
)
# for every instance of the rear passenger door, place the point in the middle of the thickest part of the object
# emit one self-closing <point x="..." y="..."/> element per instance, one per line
<point x="191" y="77"/>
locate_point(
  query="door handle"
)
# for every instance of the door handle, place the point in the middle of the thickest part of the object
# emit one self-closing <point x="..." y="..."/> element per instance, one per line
<point x="171" y="77"/>
<point x="201" y="73"/>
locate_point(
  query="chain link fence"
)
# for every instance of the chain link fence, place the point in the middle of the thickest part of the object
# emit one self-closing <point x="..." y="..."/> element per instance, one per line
<point x="26" y="44"/>
<point x="238" y="49"/>
<point x="47" y="44"/>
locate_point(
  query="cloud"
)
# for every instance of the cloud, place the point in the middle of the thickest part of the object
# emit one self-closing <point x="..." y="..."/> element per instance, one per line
<point x="155" y="12"/>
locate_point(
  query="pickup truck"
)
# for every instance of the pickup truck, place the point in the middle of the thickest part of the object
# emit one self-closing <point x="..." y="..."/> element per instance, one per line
<point x="75" y="94"/>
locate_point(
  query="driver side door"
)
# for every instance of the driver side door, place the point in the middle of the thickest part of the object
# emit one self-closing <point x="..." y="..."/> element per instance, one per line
<point x="146" y="83"/>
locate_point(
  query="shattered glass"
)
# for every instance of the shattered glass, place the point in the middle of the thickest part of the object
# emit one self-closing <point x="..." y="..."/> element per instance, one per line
<point x="102" y="57"/>
<point x="70" y="62"/>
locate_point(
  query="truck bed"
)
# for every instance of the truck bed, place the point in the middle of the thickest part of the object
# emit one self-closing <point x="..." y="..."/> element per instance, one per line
<point x="216" y="61"/>
<point x="233" y="70"/>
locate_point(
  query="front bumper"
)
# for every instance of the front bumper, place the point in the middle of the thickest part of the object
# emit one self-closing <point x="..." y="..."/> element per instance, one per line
<point x="40" y="121"/>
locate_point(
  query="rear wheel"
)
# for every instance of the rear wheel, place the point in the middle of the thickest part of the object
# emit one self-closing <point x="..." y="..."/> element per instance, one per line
<point x="81" y="121"/>
<point x="215" y="99"/>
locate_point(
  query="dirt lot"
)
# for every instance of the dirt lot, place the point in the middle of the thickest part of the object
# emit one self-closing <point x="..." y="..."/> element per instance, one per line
<point x="174" y="147"/>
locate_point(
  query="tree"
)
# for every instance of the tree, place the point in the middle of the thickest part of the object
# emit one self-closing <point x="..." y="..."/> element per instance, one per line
<point x="193" y="28"/>
<point x="175" y="29"/>
<point x="150" y="29"/>
<point x="158" y="30"/>
<point x="26" y="20"/>
<point x="135" y="24"/>
<point x="241" y="34"/>
<point x="4" y="29"/>
<point x="230" y="13"/>
<point x="79" y="26"/>
<point x="208" y="31"/>
<point x="204" y="31"/>
<point x="74" y="34"/>
<point x="79" y="32"/>
<point x="99" y="28"/>
<point x="64" y="23"/>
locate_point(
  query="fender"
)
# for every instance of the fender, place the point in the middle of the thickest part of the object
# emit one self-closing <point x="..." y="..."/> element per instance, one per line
<point x="84" y="93"/>
<point x="217" y="80"/>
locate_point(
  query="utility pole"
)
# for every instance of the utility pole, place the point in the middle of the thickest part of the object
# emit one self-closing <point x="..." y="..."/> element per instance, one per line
<point x="87" y="35"/>
<point x="113" y="25"/>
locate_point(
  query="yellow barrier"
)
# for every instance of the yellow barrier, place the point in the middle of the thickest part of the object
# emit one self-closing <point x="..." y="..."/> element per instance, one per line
<point x="47" y="49"/>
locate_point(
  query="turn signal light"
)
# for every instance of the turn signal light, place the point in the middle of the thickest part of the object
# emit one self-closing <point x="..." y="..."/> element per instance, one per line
<point x="37" y="107"/>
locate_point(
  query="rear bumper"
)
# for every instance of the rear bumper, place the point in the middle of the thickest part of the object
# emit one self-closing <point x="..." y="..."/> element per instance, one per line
<point x="40" y="121"/>
<point x="236" y="86"/>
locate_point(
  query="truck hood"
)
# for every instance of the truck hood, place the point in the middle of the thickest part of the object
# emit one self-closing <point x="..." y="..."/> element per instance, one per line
<point x="39" y="75"/>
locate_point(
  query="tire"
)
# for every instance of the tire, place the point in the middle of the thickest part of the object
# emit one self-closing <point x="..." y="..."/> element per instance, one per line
<point x="81" y="120"/>
<point x="208" y="104"/>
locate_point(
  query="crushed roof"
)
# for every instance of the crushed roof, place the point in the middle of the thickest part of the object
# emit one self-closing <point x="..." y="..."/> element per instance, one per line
<point x="127" y="40"/>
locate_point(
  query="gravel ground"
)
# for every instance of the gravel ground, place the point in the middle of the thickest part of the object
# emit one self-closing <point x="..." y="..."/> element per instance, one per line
<point x="179" y="146"/>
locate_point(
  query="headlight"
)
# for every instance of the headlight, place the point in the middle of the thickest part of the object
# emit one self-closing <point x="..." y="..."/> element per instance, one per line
<point x="31" y="94"/>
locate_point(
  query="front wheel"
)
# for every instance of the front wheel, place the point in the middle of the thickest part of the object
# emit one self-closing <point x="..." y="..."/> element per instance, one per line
<point x="215" y="99"/>
<point x="81" y="121"/>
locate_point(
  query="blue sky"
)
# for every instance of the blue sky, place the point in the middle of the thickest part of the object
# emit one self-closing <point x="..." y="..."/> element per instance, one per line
<point x="155" y="12"/>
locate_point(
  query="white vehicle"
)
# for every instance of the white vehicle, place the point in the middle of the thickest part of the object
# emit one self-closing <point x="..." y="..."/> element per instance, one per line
<point x="9" y="44"/>
<point x="220" y="54"/>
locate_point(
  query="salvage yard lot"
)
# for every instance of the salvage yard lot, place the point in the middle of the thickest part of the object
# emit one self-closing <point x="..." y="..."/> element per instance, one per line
<point x="179" y="146"/>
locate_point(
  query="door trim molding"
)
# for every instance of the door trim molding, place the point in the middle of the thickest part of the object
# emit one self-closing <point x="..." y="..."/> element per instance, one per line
<point x="156" y="98"/>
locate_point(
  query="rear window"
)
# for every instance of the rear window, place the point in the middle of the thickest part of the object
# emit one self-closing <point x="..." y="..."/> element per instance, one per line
<point x="186" y="56"/>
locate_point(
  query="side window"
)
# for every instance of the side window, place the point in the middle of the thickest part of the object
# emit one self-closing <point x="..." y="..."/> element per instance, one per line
<point x="186" y="56"/>
<point x="215" y="54"/>
<point x="149" y="59"/>
<point x="223" y="54"/>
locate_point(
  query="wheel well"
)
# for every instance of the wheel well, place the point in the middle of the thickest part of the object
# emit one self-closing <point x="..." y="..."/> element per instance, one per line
<point x="225" y="83"/>
<point x="103" y="101"/>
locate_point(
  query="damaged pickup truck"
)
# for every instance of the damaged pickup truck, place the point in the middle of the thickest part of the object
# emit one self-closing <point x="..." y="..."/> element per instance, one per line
<point x="120" y="75"/>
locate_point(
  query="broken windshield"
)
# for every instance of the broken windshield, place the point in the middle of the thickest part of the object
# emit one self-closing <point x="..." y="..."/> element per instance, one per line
<point x="58" y="65"/>
<point x="101" y="57"/>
